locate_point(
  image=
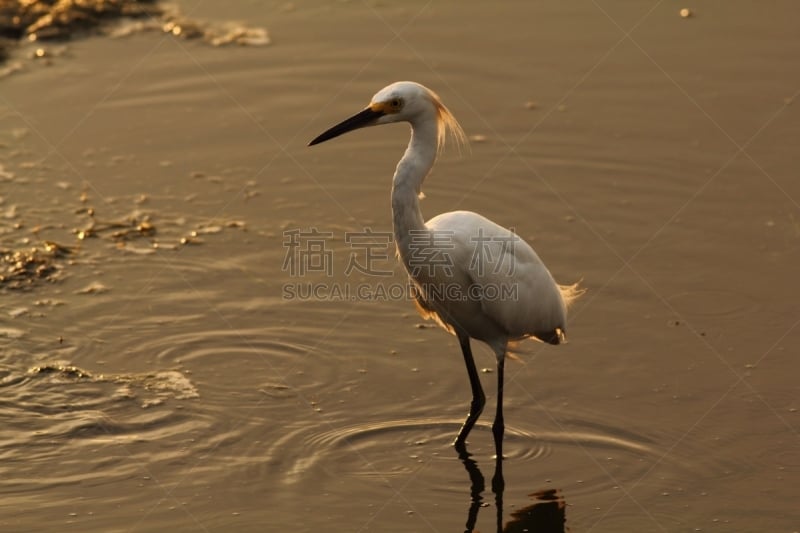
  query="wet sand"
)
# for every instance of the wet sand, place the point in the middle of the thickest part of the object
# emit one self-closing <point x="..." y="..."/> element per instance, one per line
<point x="649" y="155"/>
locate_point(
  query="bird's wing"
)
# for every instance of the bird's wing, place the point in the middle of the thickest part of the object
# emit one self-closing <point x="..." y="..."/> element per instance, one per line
<point x="515" y="289"/>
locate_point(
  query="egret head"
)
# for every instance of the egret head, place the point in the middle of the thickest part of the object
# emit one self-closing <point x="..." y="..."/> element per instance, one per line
<point x="402" y="101"/>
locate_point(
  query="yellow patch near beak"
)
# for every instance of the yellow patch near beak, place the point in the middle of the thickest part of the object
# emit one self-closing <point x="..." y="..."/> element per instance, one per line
<point x="381" y="107"/>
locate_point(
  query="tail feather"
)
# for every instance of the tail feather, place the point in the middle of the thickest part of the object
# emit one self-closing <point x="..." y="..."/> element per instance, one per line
<point x="570" y="293"/>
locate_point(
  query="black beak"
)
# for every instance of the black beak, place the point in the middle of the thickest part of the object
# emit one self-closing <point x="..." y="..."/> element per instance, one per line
<point x="359" y="120"/>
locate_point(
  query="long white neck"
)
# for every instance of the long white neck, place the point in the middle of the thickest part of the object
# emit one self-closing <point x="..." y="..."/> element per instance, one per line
<point x="408" y="178"/>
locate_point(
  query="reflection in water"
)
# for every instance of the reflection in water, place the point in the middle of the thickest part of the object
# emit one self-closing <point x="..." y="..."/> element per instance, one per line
<point x="546" y="515"/>
<point x="476" y="486"/>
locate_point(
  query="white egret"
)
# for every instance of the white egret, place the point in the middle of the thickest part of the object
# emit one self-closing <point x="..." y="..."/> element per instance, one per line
<point x="475" y="278"/>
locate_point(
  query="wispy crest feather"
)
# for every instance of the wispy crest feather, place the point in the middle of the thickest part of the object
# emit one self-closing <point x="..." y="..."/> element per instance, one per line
<point x="447" y="125"/>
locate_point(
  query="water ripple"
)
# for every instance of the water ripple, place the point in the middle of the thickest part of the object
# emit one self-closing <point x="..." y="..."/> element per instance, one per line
<point x="390" y="447"/>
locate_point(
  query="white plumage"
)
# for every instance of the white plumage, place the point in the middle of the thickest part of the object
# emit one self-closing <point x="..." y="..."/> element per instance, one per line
<point x="475" y="278"/>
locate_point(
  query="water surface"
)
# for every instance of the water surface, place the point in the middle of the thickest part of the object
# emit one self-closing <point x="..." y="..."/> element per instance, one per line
<point x="175" y="387"/>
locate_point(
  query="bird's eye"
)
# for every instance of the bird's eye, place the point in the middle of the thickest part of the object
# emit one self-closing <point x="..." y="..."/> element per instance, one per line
<point x="396" y="103"/>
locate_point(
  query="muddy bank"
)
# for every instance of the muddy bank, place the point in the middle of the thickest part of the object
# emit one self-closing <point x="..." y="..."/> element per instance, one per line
<point x="41" y="23"/>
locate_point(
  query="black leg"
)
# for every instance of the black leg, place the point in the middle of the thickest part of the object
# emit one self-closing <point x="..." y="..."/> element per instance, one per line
<point x="478" y="398"/>
<point x="499" y="427"/>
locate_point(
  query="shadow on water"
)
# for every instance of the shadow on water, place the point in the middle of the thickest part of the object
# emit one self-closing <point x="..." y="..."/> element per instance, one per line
<point x="546" y="515"/>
